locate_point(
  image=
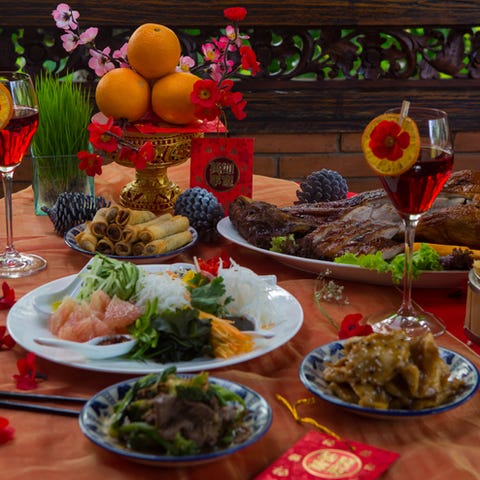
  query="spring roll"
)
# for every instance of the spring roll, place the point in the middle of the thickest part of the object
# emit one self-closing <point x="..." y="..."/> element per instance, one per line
<point x="86" y="240"/>
<point x="177" y="224"/>
<point x="114" y="232"/>
<point x="169" y="243"/>
<point x="111" y="214"/>
<point x="99" y="222"/>
<point x="105" y="246"/>
<point x="126" y="216"/>
<point x="131" y="232"/>
<point x="123" y="248"/>
<point x="137" y="249"/>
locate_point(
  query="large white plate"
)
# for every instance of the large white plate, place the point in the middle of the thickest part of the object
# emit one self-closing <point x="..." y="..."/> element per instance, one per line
<point x="441" y="279"/>
<point x="314" y="363"/>
<point x="25" y="324"/>
<point x="97" y="412"/>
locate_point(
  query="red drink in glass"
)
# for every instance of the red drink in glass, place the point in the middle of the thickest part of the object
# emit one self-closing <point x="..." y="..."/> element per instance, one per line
<point x="15" y="137"/>
<point x="414" y="191"/>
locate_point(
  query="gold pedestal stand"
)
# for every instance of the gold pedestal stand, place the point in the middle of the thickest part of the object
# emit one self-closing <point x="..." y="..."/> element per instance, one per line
<point x="152" y="189"/>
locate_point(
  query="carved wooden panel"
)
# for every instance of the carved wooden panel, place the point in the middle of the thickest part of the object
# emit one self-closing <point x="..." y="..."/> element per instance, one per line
<point x="310" y="78"/>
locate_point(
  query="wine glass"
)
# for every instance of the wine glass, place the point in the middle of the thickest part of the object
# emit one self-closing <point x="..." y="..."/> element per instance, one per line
<point x="14" y="141"/>
<point x="412" y="193"/>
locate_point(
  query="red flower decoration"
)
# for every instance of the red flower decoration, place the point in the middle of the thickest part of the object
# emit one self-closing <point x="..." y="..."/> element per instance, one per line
<point x="205" y="93"/>
<point x="27" y="377"/>
<point x="211" y="265"/>
<point x="90" y="162"/>
<point x="351" y="327"/>
<point x="6" y="341"/>
<point x="235" y="14"/>
<point x="388" y="140"/>
<point x="249" y="59"/>
<point x="6" y="431"/>
<point x="104" y="136"/>
<point x="8" y="298"/>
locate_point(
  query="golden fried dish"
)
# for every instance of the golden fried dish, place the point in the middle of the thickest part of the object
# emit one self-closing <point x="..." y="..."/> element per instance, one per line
<point x="392" y="371"/>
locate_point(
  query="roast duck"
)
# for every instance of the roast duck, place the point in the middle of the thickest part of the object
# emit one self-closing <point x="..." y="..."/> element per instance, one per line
<point x="362" y="224"/>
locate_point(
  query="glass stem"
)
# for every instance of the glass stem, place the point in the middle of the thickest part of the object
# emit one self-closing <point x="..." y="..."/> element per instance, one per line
<point x="7" y="182"/>
<point x="407" y="309"/>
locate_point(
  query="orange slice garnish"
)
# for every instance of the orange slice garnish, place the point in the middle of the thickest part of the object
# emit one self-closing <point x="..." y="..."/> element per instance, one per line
<point x="390" y="148"/>
<point x="6" y="106"/>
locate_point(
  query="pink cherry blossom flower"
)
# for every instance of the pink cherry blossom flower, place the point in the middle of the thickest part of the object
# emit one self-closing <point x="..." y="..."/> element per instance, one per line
<point x="70" y="41"/>
<point x="121" y="56"/>
<point x="185" y="64"/>
<point x="88" y="36"/>
<point x="65" y="18"/>
<point x="100" y="61"/>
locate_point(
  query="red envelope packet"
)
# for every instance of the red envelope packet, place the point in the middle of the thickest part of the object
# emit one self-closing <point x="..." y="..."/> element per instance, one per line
<point x="318" y="456"/>
<point x="223" y="166"/>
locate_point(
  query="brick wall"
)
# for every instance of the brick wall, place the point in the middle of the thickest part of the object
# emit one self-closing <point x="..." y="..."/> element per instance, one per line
<point x="293" y="157"/>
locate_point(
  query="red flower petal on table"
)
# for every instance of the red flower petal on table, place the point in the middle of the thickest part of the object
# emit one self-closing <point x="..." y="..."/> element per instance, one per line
<point x="235" y="14"/>
<point x="6" y="341"/>
<point x="6" y="431"/>
<point x="8" y="298"/>
<point x="351" y="327"/>
<point x="90" y="162"/>
<point x="26" y="378"/>
<point x="388" y="140"/>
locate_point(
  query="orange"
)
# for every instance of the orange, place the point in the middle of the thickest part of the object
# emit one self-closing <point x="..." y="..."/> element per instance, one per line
<point x="389" y="148"/>
<point x="123" y="93"/>
<point x="153" y="50"/>
<point x="6" y="106"/>
<point x="171" y="98"/>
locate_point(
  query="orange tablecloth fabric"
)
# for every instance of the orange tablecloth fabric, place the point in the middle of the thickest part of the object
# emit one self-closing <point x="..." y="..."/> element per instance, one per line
<point x="438" y="447"/>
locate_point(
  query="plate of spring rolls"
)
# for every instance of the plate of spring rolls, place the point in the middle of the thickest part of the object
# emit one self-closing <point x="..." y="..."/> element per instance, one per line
<point x="135" y="235"/>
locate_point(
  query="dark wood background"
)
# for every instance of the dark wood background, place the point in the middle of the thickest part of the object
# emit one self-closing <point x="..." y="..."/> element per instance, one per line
<point x="277" y="103"/>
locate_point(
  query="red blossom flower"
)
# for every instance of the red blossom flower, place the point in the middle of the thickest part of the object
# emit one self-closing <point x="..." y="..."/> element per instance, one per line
<point x="104" y="136"/>
<point x="8" y="298"/>
<point x="249" y="59"/>
<point x="6" y="431"/>
<point x="235" y="101"/>
<point x="351" y="327"/>
<point x="27" y="377"/>
<point x="90" y="162"/>
<point x="205" y="93"/>
<point x="235" y="14"/>
<point x="6" y="341"/>
<point x="145" y="154"/>
<point x="388" y="140"/>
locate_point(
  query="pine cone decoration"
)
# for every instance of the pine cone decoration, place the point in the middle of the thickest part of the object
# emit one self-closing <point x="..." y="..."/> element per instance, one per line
<point x="202" y="209"/>
<point x="73" y="208"/>
<point x="322" y="186"/>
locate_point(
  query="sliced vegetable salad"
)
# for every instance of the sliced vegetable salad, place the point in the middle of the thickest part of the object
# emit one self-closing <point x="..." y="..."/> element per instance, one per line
<point x="185" y="312"/>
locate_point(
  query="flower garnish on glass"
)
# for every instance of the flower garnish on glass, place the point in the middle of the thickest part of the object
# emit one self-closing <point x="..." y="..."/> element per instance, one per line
<point x="411" y="151"/>
<point x="136" y="91"/>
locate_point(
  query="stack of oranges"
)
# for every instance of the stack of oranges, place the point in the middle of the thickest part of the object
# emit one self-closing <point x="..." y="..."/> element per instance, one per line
<point x="152" y="84"/>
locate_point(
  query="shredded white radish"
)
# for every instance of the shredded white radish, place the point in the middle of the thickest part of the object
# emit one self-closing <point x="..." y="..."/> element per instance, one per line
<point x="171" y="291"/>
<point x="250" y="295"/>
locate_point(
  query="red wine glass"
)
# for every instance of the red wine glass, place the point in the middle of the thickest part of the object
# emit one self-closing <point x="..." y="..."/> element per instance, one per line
<point x="15" y="138"/>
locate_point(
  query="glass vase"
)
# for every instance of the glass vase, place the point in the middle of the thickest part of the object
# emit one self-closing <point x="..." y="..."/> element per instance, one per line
<point x="56" y="174"/>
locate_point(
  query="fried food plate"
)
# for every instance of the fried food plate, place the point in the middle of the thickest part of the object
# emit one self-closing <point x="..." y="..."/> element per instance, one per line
<point x="443" y="279"/>
<point x="314" y="363"/>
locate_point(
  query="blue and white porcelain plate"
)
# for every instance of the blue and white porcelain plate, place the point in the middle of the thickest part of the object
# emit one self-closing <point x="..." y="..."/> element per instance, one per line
<point x="314" y="363"/>
<point x="96" y="415"/>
